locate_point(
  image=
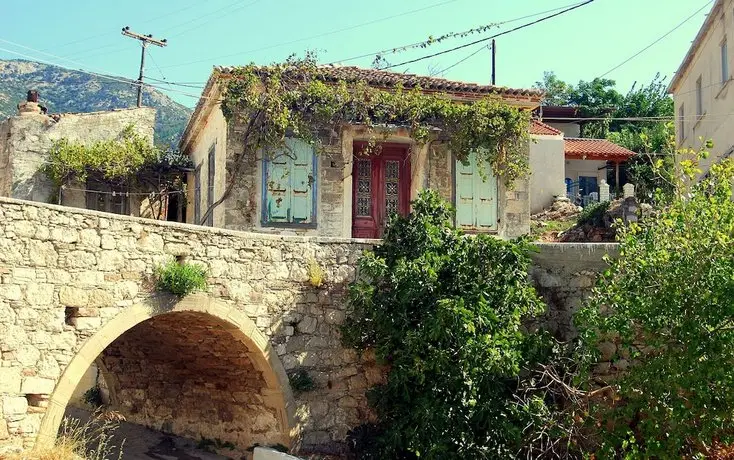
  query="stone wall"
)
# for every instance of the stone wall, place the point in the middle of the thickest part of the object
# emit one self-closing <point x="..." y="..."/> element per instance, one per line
<point x="76" y="289"/>
<point x="28" y="138"/>
<point x="67" y="275"/>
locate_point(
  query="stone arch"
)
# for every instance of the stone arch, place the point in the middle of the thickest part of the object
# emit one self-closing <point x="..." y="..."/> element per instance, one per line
<point x="275" y="394"/>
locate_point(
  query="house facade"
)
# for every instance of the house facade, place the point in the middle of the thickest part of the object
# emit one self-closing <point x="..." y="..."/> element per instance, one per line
<point x="702" y="87"/>
<point x="336" y="192"/>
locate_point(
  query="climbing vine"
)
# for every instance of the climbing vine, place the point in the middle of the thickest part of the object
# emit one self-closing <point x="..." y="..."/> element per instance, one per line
<point x="300" y="99"/>
<point x="129" y="159"/>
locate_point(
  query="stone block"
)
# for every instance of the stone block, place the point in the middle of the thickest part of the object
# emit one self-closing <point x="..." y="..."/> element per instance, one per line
<point x="73" y="297"/>
<point x="87" y="323"/>
<point x="10" y="380"/>
<point x="14" y="405"/>
<point x="38" y="386"/>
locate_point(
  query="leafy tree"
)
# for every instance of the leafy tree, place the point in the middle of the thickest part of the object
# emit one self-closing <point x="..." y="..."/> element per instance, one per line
<point x="444" y="312"/>
<point x="668" y="301"/>
<point x="557" y="91"/>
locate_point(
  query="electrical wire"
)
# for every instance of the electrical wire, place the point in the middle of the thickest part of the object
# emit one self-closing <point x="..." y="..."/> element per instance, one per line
<point x="474" y="53"/>
<point x="481" y="40"/>
<point x="323" y="34"/>
<point x="657" y="41"/>
<point x="416" y="44"/>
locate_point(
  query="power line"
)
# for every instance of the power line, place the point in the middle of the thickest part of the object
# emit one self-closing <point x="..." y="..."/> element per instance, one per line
<point x="323" y="34"/>
<point x="657" y="41"/>
<point x="416" y="44"/>
<point x="481" y="48"/>
<point x="481" y="40"/>
<point x="212" y="13"/>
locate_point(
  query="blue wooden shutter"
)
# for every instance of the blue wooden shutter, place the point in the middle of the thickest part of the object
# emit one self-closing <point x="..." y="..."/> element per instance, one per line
<point x="302" y="181"/>
<point x="289" y="186"/>
<point x="476" y="195"/>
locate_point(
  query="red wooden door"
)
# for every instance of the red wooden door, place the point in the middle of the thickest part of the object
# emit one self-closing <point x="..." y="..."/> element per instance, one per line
<point x="381" y="186"/>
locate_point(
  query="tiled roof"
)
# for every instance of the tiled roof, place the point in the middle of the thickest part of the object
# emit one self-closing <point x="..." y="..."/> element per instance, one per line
<point x="541" y="129"/>
<point x="595" y="149"/>
<point x="386" y="79"/>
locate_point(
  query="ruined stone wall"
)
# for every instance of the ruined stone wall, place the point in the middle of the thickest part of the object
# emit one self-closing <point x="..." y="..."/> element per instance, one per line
<point x="30" y="136"/>
<point x="6" y="169"/>
<point x="196" y="370"/>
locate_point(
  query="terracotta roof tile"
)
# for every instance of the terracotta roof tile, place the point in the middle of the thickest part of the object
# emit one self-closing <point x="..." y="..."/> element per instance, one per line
<point x="541" y="129"/>
<point x="595" y="149"/>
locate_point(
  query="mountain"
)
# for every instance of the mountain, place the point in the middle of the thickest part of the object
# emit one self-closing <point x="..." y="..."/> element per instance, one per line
<point x="67" y="90"/>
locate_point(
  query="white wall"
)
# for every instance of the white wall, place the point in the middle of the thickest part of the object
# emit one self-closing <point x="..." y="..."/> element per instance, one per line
<point x="577" y="168"/>
<point x="717" y="122"/>
<point x="568" y="129"/>
<point x="547" y="171"/>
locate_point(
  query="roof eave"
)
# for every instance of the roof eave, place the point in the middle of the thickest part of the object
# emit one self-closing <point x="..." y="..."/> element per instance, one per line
<point x="204" y="101"/>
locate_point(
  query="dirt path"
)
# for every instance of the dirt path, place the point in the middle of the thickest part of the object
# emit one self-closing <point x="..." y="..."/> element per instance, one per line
<point x="144" y="443"/>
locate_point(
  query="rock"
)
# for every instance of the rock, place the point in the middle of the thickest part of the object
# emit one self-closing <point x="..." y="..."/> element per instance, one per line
<point x="607" y="350"/>
<point x="38" y="386"/>
<point x="14" y="405"/>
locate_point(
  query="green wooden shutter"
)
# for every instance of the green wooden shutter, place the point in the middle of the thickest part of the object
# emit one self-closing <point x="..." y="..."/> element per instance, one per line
<point x="302" y="181"/>
<point x="289" y="186"/>
<point x="476" y="196"/>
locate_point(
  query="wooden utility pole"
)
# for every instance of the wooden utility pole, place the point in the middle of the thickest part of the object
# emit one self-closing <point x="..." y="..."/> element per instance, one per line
<point x="144" y="41"/>
<point x="494" y="62"/>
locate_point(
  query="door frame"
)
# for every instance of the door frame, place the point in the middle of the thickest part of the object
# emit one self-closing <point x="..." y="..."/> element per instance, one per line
<point x="396" y="151"/>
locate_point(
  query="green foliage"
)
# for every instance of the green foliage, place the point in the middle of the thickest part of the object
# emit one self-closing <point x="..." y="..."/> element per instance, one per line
<point x="444" y="312"/>
<point x="180" y="279"/>
<point x="129" y="160"/>
<point x="301" y="381"/>
<point x="669" y="297"/>
<point x="296" y="98"/>
<point x="593" y="214"/>
<point x="93" y="397"/>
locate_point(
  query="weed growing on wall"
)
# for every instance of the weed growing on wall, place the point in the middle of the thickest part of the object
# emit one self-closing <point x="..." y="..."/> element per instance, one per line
<point x="444" y="312"/>
<point x="180" y="279"/>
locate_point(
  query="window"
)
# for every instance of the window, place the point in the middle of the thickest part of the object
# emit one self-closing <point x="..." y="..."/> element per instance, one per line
<point x="476" y="195"/>
<point x="210" y="170"/>
<point x="197" y="195"/>
<point x="289" y="185"/>
<point x="699" y="98"/>
<point x="724" y="63"/>
<point x="107" y="198"/>
<point x="681" y="123"/>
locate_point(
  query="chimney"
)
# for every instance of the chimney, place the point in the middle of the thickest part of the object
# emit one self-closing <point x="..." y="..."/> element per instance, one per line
<point x="30" y="106"/>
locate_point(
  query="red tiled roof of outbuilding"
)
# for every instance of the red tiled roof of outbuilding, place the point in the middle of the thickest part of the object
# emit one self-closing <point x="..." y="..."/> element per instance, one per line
<point x="595" y="149"/>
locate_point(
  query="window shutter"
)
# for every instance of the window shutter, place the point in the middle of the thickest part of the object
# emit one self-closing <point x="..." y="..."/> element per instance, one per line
<point x="476" y="196"/>
<point x="302" y="182"/>
<point x="485" y="190"/>
<point x="278" y="188"/>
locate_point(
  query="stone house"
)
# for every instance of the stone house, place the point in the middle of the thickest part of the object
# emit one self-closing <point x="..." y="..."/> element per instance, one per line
<point x="27" y="138"/>
<point x="332" y="193"/>
<point x="700" y="87"/>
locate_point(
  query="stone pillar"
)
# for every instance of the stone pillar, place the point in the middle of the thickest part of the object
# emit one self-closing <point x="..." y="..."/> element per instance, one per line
<point x="629" y="190"/>
<point x="603" y="191"/>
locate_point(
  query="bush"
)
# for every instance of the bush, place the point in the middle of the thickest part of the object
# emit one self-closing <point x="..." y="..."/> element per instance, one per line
<point x="180" y="279"/>
<point x="300" y="381"/>
<point x="669" y="298"/>
<point x="93" y="397"/>
<point x="593" y="214"/>
<point x="444" y="311"/>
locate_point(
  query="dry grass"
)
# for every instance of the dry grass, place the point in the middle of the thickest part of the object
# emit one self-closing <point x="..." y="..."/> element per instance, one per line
<point x="77" y="440"/>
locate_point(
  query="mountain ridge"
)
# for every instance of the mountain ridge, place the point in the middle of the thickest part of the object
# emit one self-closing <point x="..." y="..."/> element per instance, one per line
<point x="64" y="90"/>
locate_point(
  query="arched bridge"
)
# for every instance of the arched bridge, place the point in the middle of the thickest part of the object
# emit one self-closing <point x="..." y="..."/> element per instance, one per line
<point x="77" y="289"/>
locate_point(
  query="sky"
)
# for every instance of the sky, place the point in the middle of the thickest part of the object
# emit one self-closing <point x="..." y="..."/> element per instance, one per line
<point x="579" y="45"/>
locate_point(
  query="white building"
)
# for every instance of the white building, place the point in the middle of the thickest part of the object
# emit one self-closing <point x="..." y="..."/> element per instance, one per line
<point x="703" y="106"/>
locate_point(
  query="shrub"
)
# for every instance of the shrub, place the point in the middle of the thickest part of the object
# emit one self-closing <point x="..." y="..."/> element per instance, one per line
<point x="93" y="397"/>
<point x="180" y="279"/>
<point x="593" y="214"/>
<point x="444" y="311"/>
<point x="300" y="381"/>
<point x="670" y="299"/>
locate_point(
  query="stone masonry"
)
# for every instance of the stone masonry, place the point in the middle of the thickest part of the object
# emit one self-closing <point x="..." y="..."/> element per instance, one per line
<point x="77" y="290"/>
